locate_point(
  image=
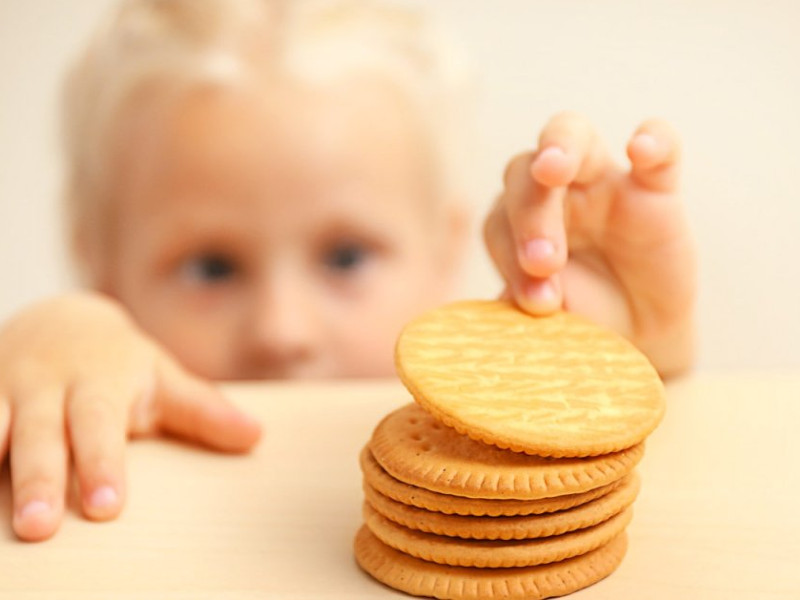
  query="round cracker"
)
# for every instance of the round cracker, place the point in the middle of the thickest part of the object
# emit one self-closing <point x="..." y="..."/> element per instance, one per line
<point x="552" y="386"/>
<point x="412" y="446"/>
<point x="506" y="528"/>
<point x="493" y="554"/>
<point x="421" y="578"/>
<point x="411" y="495"/>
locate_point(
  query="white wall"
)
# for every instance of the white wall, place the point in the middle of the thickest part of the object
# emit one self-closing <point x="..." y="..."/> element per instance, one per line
<point x="725" y="73"/>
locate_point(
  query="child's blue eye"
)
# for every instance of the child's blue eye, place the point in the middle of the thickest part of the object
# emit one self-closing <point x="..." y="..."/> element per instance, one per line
<point x="209" y="269"/>
<point x="347" y="257"/>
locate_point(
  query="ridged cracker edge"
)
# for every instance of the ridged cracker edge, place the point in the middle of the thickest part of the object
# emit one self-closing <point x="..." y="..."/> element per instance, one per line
<point x="416" y="577"/>
<point x="506" y="528"/>
<point x="450" y="504"/>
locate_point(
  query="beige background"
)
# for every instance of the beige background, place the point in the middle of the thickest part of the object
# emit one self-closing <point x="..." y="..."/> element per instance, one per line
<point x="725" y="73"/>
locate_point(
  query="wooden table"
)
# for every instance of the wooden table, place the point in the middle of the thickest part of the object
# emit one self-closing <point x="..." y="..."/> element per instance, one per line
<point x="718" y="515"/>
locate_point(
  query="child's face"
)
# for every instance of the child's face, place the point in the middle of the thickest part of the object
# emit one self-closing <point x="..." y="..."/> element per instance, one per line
<point x="287" y="233"/>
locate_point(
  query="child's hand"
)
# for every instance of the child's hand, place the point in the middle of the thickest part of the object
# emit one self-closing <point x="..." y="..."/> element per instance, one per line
<point x="573" y="229"/>
<point x="76" y="379"/>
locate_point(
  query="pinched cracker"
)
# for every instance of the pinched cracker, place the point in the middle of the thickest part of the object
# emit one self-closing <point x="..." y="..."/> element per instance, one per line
<point x="493" y="554"/>
<point x="411" y="495"/>
<point x="506" y="528"/>
<point x="415" y="448"/>
<point x="551" y="386"/>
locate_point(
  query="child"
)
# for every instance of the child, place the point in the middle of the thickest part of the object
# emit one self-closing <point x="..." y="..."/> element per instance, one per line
<point x="265" y="188"/>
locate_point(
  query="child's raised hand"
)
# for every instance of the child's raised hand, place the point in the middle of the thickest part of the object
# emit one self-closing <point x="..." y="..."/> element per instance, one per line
<point x="77" y="378"/>
<point x="573" y="229"/>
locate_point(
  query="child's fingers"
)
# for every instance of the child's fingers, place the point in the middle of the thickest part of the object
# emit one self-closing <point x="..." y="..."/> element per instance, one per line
<point x="97" y="423"/>
<point x="654" y="151"/>
<point x="569" y="152"/>
<point x="195" y="410"/>
<point x="535" y="215"/>
<point x="535" y="295"/>
<point x="38" y="463"/>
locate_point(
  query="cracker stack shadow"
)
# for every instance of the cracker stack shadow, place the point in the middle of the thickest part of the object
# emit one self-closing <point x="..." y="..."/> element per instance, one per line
<point x="513" y="473"/>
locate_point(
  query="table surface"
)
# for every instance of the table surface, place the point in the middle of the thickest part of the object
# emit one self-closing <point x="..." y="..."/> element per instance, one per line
<point x="718" y="515"/>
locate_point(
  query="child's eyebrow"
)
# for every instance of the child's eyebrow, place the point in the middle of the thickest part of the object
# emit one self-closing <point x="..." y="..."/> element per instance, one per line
<point x="358" y="219"/>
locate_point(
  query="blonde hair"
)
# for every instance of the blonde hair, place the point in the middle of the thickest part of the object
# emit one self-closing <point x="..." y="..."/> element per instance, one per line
<point x="175" y="45"/>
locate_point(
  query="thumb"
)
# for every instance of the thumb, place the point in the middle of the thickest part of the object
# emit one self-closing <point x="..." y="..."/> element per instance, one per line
<point x="194" y="409"/>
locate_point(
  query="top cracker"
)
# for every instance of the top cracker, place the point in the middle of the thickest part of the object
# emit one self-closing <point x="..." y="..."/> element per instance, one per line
<point x="552" y="386"/>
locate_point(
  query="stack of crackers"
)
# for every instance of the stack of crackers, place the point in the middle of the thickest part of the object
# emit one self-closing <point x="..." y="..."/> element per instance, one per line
<point x="512" y="476"/>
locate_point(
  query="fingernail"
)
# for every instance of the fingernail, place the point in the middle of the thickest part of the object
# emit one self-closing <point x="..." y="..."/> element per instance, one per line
<point x="644" y="142"/>
<point x="539" y="249"/>
<point x="541" y="291"/>
<point x="33" y="508"/>
<point x="552" y="167"/>
<point x="551" y="152"/>
<point x="103" y="497"/>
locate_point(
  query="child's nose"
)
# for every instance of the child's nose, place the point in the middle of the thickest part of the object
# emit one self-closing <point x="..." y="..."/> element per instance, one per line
<point x="283" y="329"/>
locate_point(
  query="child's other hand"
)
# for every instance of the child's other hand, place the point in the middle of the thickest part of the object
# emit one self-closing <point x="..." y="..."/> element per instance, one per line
<point x="573" y="229"/>
<point x="77" y="378"/>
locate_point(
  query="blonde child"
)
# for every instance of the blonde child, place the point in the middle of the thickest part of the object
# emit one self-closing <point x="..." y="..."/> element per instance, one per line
<point x="267" y="189"/>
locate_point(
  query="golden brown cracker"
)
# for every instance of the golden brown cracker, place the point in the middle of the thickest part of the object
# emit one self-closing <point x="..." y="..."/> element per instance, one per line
<point x="448" y="504"/>
<point x="506" y="528"/>
<point x="551" y="386"/>
<point x="494" y="553"/>
<point x="413" y="447"/>
<point x="421" y="578"/>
